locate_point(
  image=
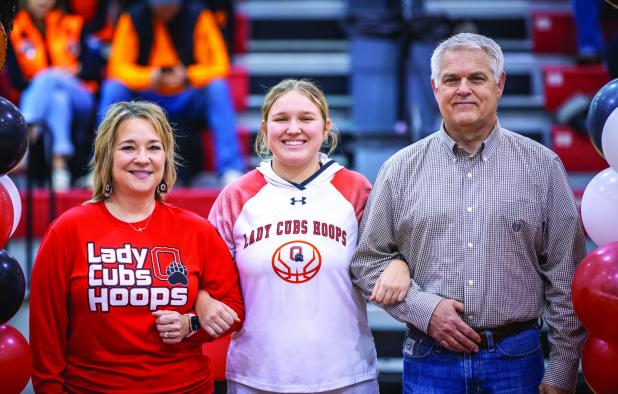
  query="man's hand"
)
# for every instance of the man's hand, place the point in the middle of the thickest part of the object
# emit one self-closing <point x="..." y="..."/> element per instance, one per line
<point x="215" y="317"/>
<point x="447" y="328"/>
<point x="392" y="285"/>
<point x="547" y="389"/>
<point x="172" y="326"/>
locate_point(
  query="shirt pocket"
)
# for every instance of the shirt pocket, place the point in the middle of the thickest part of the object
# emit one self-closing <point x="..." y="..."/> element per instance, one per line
<point x="518" y="225"/>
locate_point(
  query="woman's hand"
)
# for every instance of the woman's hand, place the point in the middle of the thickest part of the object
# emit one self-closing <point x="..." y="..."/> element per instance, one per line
<point x="393" y="284"/>
<point x="172" y="326"/>
<point x="215" y="317"/>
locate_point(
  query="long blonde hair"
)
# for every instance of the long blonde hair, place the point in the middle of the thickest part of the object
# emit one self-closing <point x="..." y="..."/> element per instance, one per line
<point x="117" y="113"/>
<point x="313" y="93"/>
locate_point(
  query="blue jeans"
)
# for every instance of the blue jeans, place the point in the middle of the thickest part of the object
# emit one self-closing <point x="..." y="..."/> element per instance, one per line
<point x="590" y="38"/>
<point x="61" y="102"/>
<point x="210" y="105"/>
<point x="514" y="365"/>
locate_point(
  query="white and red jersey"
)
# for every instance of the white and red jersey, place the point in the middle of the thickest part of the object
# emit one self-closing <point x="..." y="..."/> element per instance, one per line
<point x="305" y="327"/>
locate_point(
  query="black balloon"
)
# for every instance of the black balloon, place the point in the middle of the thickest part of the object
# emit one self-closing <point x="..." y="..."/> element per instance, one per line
<point x="601" y="106"/>
<point x="13" y="136"/>
<point x="12" y="286"/>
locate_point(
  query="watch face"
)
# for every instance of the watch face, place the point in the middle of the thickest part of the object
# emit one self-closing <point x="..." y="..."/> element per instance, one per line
<point x="195" y="323"/>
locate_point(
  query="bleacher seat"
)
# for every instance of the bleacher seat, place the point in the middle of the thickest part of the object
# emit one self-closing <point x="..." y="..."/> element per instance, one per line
<point x="241" y="33"/>
<point x="553" y="32"/>
<point x="575" y="150"/>
<point x="562" y="82"/>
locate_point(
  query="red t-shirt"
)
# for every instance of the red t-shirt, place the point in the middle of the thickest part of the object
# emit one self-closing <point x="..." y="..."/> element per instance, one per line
<point x="96" y="282"/>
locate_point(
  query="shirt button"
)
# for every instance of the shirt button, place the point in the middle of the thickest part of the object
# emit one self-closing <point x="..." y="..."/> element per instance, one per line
<point x="469" y="175"/>
<point x="469" y="209"/>
<point x="470" y="317"/>
<point x="470" y="282"/>
<point x="470" y="245"/>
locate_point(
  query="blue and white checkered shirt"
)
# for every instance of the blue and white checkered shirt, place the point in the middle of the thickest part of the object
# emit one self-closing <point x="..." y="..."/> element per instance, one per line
<point x="498" y="231"/>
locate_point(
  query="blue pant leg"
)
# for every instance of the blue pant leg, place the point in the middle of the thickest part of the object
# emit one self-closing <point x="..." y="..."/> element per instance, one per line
<point x="35" y="99"/>
<point x="221" y="118"/>
<point x="513" y="365"/>
<point x="54" y="98"/>
<point x="590" y="38"/>
<point x="430" y="369"/>
<point x="112" y="92"/>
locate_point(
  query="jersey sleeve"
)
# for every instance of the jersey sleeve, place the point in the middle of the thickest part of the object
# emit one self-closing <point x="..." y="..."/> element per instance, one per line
<point x="230" y="202"/>
<point x="354" y="187"/>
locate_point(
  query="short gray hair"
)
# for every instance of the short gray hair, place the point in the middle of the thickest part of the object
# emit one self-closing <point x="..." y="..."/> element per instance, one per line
<point x="469" y="41"/>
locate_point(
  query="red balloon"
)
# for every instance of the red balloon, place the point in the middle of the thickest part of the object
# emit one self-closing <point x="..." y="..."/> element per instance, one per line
<point x="15" y="360"/>
<point x="595" y="292"/>
<point x="600" y="365"/>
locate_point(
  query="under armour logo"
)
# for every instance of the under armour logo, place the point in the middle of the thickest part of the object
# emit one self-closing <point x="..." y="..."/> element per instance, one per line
<point x="302" y="200"/>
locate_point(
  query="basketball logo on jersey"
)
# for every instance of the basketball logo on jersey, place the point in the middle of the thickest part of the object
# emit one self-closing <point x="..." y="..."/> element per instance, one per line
<point x="296" y="261"/>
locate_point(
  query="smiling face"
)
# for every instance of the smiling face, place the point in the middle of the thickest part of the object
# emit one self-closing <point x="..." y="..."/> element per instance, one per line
<point x="467" y="93"/>
<point x="138" y="159"/>
<point x="294" y="132"/>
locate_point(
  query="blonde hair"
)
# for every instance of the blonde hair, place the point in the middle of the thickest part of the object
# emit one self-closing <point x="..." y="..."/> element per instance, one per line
<point x="101" y="163"/>
<point x="313" y="93"/>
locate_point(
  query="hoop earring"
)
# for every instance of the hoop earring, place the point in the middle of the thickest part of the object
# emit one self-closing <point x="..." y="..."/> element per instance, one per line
<point x="162" y="189"/>
<point x="107" y="189"/>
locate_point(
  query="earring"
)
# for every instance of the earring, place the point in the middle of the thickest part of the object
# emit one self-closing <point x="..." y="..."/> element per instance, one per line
<point x="162" y="189"/>
<point x="107" y="189"/>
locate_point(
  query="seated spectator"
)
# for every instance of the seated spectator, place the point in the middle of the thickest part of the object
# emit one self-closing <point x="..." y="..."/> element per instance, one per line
<point x="171" y="52"/>
<point x="590" y="40"/>
<point x="45" y="62"/>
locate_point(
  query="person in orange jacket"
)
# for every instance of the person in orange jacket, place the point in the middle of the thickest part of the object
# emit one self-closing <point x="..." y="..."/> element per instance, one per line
<point x="171" y="52"/>
<point x="46" y="61"/>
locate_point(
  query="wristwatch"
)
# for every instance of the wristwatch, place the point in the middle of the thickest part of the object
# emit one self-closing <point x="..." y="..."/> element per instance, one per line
<point x="194" y="323"/>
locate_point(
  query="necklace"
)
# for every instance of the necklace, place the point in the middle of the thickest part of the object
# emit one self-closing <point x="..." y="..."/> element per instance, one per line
<point x="141" y="229"/>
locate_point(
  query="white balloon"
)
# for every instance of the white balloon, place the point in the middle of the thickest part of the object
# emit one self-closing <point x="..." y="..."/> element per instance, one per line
<point x="11" y="189"/>
<point x="609" y="139"/>
<point x="600" y="207"/>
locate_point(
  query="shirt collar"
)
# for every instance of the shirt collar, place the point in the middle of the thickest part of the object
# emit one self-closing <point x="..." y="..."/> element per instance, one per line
<point x="488" y="146"/>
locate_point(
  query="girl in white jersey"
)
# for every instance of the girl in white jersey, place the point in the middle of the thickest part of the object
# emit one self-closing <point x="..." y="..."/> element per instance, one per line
<point x="292" y="227"/>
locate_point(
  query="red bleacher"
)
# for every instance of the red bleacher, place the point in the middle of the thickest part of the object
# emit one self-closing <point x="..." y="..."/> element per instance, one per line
<point x="575" y="150"/>
<point x="553" y="32"/>
<point x="562" y="82"/>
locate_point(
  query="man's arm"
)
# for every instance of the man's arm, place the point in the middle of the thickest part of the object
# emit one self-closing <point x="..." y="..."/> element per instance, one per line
<point x="378" y="246"/>
<point x="563" y="249"/>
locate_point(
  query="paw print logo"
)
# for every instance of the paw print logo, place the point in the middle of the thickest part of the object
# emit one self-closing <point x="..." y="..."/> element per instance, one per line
<point x="177" y="273"/>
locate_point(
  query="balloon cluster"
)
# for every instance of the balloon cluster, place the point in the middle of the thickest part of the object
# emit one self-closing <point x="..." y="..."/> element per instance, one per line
<point x="15" y="356"/>
<point x="595" y="283"/>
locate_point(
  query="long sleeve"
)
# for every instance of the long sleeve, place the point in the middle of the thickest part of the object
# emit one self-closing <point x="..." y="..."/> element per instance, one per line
<point x="564" y="249"/>
<point x="49" y="315"/>
<point x="122" y="63"/>
<point x="378" y="246"/>
<point x="210" y="53"/>
<point x="220" y="278"/>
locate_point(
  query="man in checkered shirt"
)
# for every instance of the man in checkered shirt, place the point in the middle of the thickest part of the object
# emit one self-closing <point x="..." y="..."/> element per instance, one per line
<point x="487" y="221"/>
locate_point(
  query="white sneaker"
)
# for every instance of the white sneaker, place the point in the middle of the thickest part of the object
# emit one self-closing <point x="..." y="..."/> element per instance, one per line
<point x="61" y="179"/>
<point x="230" y="176"/>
